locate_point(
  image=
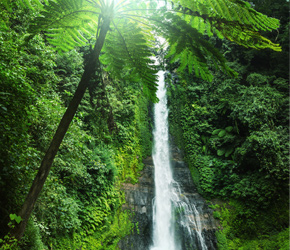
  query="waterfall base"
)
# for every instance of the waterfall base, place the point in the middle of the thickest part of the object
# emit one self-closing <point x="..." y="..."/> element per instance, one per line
<point x="139" y="201"/>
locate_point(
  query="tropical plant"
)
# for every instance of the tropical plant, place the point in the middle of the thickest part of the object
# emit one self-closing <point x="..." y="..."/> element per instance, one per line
<point x="235" y="136"/>
<point x="121" y="36"/>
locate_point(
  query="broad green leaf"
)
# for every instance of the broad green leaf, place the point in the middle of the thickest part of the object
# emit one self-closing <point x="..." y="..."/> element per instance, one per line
<point x="215" y="132"/>
<point x="220" y="152"/>
<point x="222" y="133"/>
<point x="229" y="129"/>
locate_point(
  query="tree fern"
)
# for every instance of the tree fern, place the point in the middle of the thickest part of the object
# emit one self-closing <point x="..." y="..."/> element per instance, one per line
<point x="180" y="36"/>
<point x="229" y="10"/>
<point x="71" y="23"/>
<point x="231" y="19"/>
<point x="127" y="47"/>
<point x="68" y="23"/>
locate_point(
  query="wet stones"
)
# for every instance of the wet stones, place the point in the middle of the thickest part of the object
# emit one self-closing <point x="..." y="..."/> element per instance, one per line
<point x="139" y="200"/>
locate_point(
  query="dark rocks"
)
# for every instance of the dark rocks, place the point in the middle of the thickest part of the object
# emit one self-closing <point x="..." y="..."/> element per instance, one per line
<point x="182" y="175"/>
<point x="139" y="200"/>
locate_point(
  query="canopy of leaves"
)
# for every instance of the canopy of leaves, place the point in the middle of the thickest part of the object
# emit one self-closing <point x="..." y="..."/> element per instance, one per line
<point x="71" y="23"/>
<point x="111" y="131"/>
<point x="104" y="145"/>
<point x="235" y="133"/>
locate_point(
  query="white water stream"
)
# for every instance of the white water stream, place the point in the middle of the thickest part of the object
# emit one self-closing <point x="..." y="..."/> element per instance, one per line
<point x="163" y="225"/>
<point x="168" y="198"/>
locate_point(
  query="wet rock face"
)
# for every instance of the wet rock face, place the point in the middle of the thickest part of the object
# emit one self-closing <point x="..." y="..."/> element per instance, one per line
<point x="139" y="200"/>
<point x="209" y="225"/>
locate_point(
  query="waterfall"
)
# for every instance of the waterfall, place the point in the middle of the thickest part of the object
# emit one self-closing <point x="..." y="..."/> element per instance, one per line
<point x="171" y="208"/>
<point x="163" y="224"/>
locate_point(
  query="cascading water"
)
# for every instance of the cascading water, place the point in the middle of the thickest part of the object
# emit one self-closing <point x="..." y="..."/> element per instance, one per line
<point x="163" y="225"/>
<point x="171" y="207"/>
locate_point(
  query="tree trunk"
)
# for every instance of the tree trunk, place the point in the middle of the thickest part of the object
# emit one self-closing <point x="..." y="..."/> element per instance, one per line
<point x="39" y="180"/>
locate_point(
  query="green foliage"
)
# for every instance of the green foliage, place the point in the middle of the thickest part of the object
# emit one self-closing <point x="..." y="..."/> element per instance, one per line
<point x="235" y="134"/>
<point x="22" y="78"/>
<point x="254" y="149"/>
<point x="73" y="23"/>
<point x="127" y="49"/>
<point x="224" y="140"/>
<point x="264" y="147"/>
<point x="69" y="23"/>
<point x="144" y="127"/>
<point x="32" y="239"/>
<point x="8" y="242"/>
<point x="221" y="240"/>
<point x="254" y="234"/>
<point x="31" y="4"/>
<point x="69" y="68"/>
<point x="120" y="227"/>
<point x="80" y="204"/>
<point x="15" y="217"/>
<point x="57" y="210"/>
<point x="257" y="105"/>
<point x="234" y="20"/>
<point x="194" y="55"/>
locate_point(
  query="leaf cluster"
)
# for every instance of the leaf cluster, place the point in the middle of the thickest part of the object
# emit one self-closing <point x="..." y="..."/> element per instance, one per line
<point x="81" y="196"/>
<point x="67" y="23"/>
<point x="232" y="19"/>
<point x="235" y="132"/>
<point x="127" y="50"/>
<point x="194" y="55"/>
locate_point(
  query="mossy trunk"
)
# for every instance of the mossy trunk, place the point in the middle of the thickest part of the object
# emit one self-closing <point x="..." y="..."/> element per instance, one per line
<point x="39" y="180"/>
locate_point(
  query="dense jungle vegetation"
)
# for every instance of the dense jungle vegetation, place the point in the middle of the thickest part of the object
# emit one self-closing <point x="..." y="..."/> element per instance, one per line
<point x="234" y="131"/>
<point x="235" y="136"/>
<point x="104" y="146"/>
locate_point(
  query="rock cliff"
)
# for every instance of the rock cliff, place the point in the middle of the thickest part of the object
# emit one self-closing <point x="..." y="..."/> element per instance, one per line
<point x="139" y="200"/>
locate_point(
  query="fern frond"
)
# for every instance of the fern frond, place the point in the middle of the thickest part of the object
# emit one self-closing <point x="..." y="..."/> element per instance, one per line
<point x="127" y="48"/>
<point x="232" y="19"/>
<point x="67" y="23"/>
<point x="188" y="46"/>
<point x="246" y="38"/>
<point x="230" y="10"/>
<point x="30" y="4"/>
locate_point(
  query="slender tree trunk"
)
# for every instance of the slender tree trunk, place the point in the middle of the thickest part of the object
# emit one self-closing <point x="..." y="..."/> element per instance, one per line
<point x="39" y="180"/>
